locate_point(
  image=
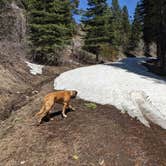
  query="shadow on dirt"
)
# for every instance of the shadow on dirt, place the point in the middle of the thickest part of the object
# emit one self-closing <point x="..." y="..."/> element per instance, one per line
<point x="53" y="115"/>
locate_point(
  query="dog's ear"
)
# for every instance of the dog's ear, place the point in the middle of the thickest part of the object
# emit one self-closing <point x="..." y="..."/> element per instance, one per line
<point x="74" y="93"/>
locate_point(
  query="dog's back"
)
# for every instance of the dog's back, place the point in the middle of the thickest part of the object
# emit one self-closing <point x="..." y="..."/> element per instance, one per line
<point x="58" y="96"/>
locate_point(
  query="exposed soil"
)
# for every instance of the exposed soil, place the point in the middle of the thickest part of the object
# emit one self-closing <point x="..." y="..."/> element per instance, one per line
<point x="87" y="137"/>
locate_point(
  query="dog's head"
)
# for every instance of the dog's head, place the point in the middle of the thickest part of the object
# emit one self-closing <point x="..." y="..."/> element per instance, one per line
<point x="73" y="93"/>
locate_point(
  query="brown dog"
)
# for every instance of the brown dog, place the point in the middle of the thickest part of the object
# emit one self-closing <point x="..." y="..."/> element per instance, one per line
<point x="60" y="97"/>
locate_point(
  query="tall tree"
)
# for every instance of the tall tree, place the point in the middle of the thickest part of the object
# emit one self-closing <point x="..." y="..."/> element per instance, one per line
<point x="149" y="26"/>
<point x="126" y="27"/>
<point x="96" y="22"/>
<point x="136" y="29"/>
<point x="51" y="27"/>
<point x="116" y="24"/>
<point x="154" y="27"/>
<point x="116" y="7"/>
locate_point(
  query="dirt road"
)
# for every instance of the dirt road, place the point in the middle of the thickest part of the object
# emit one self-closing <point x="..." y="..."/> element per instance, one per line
<point x="88" y="137"/>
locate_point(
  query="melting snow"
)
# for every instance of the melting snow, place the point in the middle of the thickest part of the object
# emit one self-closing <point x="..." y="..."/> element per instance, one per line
<point x="125" y="84"/>
<point x="34" y="68"/>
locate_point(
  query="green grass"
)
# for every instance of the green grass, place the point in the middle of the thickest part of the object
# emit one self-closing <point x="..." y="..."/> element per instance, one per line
<point x="91" y="105"/>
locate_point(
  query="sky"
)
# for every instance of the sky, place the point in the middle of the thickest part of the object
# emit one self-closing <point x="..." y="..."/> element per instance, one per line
<point x="131" y="4"/>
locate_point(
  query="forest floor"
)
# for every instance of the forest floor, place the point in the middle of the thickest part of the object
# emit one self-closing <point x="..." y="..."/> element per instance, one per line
<point x="87" y="137"/>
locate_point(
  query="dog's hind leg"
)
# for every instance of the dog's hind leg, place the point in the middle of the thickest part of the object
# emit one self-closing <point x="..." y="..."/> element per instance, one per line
<point x="40" y="112"/>
<point x="46" y="109"/>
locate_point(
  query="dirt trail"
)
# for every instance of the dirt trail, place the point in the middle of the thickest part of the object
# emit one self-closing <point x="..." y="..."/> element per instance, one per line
<point x="88" y="137"/>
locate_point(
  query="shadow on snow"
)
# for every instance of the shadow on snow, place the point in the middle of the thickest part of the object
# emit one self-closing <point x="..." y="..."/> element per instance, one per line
<point x="134" y="65"/>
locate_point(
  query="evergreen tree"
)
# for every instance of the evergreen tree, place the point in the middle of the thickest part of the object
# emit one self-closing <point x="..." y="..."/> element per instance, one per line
<point x="116" y="8"/>
<point x="148" y="27"/>
<point x="116" y="24"/>
<point x="126" y="27"/>
<point x="136" y="30"/>
<point x="97" y="27"/>
<point x="154" y="26"/>
<point x="51" y="27"/>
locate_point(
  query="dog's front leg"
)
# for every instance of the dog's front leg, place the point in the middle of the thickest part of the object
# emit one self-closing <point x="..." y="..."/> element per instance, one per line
<point x="64" y="109"/>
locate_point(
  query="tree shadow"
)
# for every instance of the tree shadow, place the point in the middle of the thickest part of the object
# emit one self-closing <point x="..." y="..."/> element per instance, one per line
<point x="135" y="65"/>
<point x="128" y="54"/>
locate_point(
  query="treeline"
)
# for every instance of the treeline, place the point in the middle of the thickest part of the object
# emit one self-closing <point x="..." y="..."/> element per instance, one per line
<point x="150" y="25"/>
<point x="108" y="28"/>
<point x="52" y="26"/>
<point x="153" y="18"/>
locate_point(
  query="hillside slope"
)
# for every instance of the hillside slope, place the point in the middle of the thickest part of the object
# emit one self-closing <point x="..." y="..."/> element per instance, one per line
<point x="89" y="136"/>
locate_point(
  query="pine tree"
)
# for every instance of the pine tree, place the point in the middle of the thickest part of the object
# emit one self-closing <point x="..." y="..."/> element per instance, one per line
<point x="136" y="30"/>
<point x="116" y="24"/>
<point x="148" y="26"/>
<point x="126" y="27"/>
<point x="116" y="8"/>
<point x="160" y="20"/>
<point x="154" y="25"/>
<point x="96" y="23"/>
<point x="51" y="27"/>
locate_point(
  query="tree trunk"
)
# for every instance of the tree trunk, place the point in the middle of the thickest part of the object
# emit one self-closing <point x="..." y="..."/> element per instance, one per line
<point x="147" y="50"/>
<point x="97" y="57"/>
<point x="163" y="53"/>
<point x="158" y="50"/>
<point x="162" y="38"/>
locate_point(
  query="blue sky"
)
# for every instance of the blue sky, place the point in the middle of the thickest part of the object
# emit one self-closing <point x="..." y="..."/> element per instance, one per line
<point x="131" y="4"/>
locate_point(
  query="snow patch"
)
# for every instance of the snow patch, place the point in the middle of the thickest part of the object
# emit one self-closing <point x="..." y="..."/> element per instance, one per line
<point x="34" y="68"/>
<point x="125" y="84"/>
